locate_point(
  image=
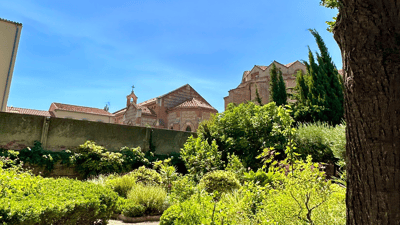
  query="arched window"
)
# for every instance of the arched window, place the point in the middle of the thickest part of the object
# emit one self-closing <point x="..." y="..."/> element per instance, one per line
<point x="171" y="128"/>
<point x="188" y="128"/>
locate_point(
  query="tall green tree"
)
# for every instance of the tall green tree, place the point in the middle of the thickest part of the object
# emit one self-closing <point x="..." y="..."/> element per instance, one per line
<point x="368" y="35"/>
<point x="277" y="86"/>
<point x="320" y="90"/>
<point x="282" y="90"/>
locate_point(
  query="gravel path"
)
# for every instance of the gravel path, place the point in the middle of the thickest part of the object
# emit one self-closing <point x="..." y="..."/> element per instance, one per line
<point x="119" y="222"/>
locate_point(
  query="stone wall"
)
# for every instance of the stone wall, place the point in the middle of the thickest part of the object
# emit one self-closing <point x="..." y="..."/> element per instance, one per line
<point x="19" y="130"/>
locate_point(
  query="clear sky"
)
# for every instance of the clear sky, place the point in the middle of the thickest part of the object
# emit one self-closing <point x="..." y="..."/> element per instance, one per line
<point x="89" y="53"/>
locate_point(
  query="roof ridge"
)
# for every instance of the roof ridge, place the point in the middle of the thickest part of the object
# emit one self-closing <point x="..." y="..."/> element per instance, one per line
<point x="9" y="21"/>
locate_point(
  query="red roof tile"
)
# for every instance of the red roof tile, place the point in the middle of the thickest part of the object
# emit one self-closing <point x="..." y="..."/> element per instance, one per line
<point x="146" y="110"/>
<point x="262" y="67"/>
<point x="82" y="109"/>
<point x="27" y="111"/>
<point x="147" y="102"/>
<point x="194" y="103"/>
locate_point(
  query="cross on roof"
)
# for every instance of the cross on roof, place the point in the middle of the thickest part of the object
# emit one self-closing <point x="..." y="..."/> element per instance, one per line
<point x="133" y="86"/>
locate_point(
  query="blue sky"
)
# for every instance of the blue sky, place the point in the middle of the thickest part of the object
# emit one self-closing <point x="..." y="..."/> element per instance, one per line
<point x="91" y="52"/>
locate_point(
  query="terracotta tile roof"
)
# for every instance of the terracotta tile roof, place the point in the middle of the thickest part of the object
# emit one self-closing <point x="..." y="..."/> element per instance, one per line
<point x="262" y="67"/>
<point x="9" y="21"/>
<point x="290" y="64"/>
<point x="147" y="101"/>
<point x="82" y="109"/>
<point x="28" y="111"/>
<point x="120" y="111"/>
<point x="194" y="103"/>
<point x="146" y="110"/>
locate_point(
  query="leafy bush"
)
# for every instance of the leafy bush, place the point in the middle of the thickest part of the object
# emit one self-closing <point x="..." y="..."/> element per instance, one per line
<point x="305" y="196"/>
<point x="121" y="184"/>
<point x="220" y="180"/>
<point x="152" y="198"/>
<point x="323" y="142"/>
<point x="133" y="158"/>
<point x="91" y="160"/>
<point x="37" y="156"/>
<point x="167" y="171"/>
<point x="201" y="157"/>
<point x="201" y="208"/>
<point x="146" y="176"/>
<point x="244" y="130"/>
<point x="27" y="199"/>
<point x="182" y="188"/>
<point x="132" y="209"/>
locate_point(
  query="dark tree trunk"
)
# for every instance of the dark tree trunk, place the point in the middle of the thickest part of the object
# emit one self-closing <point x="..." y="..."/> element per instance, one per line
<point x="368" y="34"/>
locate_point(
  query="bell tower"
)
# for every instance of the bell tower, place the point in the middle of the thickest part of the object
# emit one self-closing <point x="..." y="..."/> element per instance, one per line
<point x="131" y="98"/>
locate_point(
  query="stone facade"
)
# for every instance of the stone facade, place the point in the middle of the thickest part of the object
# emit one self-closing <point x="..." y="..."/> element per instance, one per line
<point x="258" y="78"/>
<point x="181" y="109"/>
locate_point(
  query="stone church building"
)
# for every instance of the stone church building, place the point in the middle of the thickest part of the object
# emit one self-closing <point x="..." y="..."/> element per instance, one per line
<point x="259" y="78"/>
<point x="181" y="109"/>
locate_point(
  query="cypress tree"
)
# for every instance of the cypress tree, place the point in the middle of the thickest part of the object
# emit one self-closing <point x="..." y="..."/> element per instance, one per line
<point x="274" y="93"/>
<point x="282" y="90"/>
<point x="322" y="85"/>
<point x="301" y="87"/>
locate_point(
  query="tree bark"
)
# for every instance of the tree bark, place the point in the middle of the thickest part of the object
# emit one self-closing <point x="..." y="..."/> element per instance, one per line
<point x="368" y="34"/>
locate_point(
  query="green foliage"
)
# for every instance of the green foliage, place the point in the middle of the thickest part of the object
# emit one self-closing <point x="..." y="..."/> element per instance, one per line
<point x="220" y="181"/>
<point x="305" y="196"/>
<point x="91" y="160"/>
<point x="201" y="157"/>
<point x="277" y="86"/>
<point x="27" y="199"/>
<point x="323" y="142"/>
<point x="244" y="130"/>
<point x="133" y="158"/>
<point x="332" y="4"/>
<point x="322" y="86"/>
<point x="262" y="178"/>
<point x="37" y="156"/>
<point x="235" y="166"/>
<point x="167" y="171"/>
<point x="258" y="99"/>
<point x="152" y="198"/>
<point x="182" y="188"/>
<point x="121" y="184"/>
<point x="132" y="209"/>
<point x="201" y="208"/>
<point x="146" y="176"/>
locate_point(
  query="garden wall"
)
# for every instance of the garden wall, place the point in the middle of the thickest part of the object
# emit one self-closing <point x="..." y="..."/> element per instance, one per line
<point x="19" y="130"/>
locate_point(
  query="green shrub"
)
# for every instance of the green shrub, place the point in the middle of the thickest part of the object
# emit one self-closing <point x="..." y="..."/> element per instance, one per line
<point x="323" y="142"/>
<point x="91" y="160"/>
<point x="122" y="184"/>
<point x="182" y="188"/>
<point x="133" y="158"/>
<point x="170" y="215"/>
<point x="304" y="191"/>
<point x="146" y="176"/>
<point x="27" y="199"/>
<point x="201" y="208"/>
<point x="244" y="130"/>
<point x="201" y="157"/>
<point x="153" y="198"/>
<point x="220" y="180"/>
<point x="132" y="209"/>
<point x="37" y="156"/>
